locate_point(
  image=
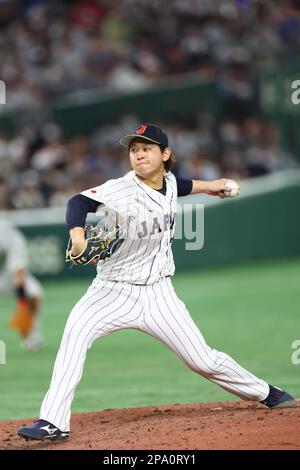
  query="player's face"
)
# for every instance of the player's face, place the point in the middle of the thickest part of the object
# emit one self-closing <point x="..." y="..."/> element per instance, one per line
<point x="147" y="159"/>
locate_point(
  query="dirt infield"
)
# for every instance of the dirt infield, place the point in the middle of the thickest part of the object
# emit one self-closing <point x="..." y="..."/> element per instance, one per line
<point x="226" y="425"/>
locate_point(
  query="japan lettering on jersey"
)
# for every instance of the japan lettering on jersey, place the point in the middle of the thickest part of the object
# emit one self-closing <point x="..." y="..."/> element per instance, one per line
<point x="148" y="219"/>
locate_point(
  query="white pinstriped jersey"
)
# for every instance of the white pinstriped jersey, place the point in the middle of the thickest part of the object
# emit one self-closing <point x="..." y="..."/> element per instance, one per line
<point x="148" y="218"/>
<point x="13" y="249"/>
<point x="14" y="256"/>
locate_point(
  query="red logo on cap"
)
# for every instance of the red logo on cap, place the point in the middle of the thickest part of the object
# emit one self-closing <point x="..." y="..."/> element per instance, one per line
<point x="141" y="129"/>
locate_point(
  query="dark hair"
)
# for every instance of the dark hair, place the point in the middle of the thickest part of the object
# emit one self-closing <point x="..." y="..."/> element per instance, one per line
<point x="170" y="162"/>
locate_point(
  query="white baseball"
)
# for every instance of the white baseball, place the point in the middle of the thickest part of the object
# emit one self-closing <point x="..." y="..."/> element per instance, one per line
<point x="233" y="189"/>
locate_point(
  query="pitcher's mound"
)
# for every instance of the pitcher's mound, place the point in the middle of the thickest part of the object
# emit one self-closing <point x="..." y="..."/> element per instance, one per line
<point x="226" y="425"/>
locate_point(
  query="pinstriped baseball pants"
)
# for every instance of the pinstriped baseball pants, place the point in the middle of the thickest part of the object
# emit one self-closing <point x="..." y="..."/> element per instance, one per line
<point x="109" y="306"/>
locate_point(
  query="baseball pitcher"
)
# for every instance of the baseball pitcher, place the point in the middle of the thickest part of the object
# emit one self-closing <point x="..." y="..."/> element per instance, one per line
<point x="133" y="287"/>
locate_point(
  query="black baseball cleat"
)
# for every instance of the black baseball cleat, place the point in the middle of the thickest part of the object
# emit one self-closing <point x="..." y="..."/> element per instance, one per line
<point x="42" y="430"/>
<point x="278" y="398"/>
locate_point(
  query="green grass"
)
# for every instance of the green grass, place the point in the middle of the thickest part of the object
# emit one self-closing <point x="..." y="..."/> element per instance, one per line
<point x="250" y="312"/>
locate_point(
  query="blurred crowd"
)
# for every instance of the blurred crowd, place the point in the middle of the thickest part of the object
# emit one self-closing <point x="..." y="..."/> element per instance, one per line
<point x="41" y="168"/>
<point x="52" y="47"/>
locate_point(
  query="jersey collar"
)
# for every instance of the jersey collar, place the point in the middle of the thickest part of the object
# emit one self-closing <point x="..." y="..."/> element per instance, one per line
<point x="153" y="193"/>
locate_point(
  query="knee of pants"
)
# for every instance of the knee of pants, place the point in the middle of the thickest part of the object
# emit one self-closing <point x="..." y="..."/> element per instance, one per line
<point x="207" y="365"/>
<point x="73" y="335"/>
<point x="202" y="368"/>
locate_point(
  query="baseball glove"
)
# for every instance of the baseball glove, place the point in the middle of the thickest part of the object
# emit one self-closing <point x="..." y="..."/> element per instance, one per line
<point x="100" y="245"/>
<point x="22" y="319"/>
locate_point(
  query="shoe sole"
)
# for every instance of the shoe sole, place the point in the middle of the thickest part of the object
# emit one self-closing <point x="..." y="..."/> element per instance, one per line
<point x="46" y="438"/>
<point x="285" y="404"/>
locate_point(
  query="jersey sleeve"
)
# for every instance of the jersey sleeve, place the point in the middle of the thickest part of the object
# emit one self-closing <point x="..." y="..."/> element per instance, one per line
<point x="115" y="194"/>
<point x="184" y="187"/>
<point x="17" y="256"/>
<point x="77" y="210"/>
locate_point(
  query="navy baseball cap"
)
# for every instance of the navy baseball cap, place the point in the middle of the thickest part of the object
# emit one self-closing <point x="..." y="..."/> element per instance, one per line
<point x="149" y="132"/>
